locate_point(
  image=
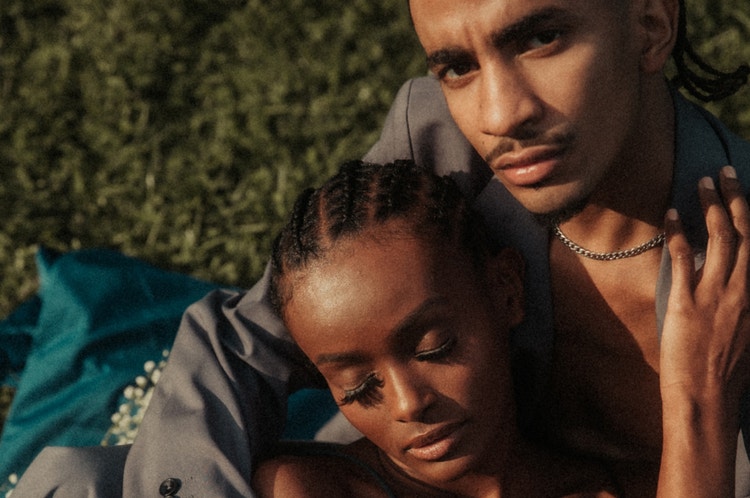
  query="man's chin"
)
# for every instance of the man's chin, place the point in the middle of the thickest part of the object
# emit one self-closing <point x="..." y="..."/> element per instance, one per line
<point x="551" y="218"/>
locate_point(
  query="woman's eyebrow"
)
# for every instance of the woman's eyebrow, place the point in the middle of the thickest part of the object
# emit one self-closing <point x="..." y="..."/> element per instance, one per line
<point x="346" y="358"/>
<point x="404" y="326"/>
<point x="415" y="317"/>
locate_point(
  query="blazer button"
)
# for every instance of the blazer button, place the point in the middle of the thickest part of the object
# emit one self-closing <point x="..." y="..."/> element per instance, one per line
<point x="170" y="487"/>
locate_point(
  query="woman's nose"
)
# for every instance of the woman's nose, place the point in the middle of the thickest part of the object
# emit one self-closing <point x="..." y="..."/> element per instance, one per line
<point x="409" y="395"/>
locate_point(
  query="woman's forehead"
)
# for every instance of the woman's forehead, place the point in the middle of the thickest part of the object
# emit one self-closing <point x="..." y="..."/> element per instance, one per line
<point x="368" y="286"/>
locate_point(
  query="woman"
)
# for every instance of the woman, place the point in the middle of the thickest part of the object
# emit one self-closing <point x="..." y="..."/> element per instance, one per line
<point x="386" y="281"/>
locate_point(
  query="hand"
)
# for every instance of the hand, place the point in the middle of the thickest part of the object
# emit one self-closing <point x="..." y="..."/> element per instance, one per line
<point x="706" y="337"/>
<point x="704" y="367"/>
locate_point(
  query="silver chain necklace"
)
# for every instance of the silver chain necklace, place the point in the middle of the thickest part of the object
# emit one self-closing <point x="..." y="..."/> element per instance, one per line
<point x="608" y="256"/>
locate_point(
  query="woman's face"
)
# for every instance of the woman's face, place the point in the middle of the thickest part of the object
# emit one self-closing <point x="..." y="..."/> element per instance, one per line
<point x="412" y="341"/>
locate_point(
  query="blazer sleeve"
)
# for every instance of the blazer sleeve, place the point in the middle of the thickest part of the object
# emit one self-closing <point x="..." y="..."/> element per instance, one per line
<point x="220" y="401"/>
<point x="419" y="127"/>
<point x="66" y="472"/>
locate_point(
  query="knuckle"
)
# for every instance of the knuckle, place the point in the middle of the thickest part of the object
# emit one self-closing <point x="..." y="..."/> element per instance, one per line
<point x="739" y="298"/>
<point x="742" y="226"/>
<point x="724" y="236"/>
<point x="682" y="255"/>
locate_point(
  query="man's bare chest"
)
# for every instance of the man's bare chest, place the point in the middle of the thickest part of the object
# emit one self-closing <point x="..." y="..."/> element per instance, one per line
<point x="605" y="389"/>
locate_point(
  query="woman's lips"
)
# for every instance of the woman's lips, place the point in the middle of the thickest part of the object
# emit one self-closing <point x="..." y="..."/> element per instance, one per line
<point x="435" y="444"/>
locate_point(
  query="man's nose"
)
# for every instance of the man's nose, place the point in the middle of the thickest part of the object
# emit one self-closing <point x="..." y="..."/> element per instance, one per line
<point x="508" y="105"/>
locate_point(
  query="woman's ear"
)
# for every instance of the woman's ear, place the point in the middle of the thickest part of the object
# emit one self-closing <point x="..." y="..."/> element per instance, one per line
<point x="506" y="272"/>
<point x="658" y="20"/>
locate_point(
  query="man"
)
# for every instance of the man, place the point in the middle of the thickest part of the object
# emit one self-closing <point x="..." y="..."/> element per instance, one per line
<point x="569" y="107"/>
<point x="567" y="104"/>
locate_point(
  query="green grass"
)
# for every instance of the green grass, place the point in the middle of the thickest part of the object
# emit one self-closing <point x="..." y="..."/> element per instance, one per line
<point x="181" y="131"/>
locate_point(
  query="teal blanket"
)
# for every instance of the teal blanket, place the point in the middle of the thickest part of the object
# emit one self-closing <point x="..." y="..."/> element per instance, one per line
<point x="71" y="350"/>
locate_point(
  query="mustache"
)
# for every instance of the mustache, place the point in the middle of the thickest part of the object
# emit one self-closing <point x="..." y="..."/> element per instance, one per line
<point x="561" y="138"/>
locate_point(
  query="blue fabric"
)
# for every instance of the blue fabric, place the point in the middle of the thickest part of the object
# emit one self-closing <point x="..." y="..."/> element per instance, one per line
<point x="15" y="340"/>
<point x="307" y="411"/>
<point x="97" y="318"/>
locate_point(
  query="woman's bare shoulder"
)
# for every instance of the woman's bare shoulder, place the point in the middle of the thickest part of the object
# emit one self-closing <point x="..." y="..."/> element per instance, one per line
<point x="313" y="476"/>
<point x="292" y="476"/>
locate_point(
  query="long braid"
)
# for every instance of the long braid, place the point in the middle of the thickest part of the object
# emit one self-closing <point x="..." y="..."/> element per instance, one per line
<point x="717" y="84"/>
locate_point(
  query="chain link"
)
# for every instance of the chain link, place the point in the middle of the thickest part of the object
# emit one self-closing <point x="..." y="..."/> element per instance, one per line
<point x="608" y="256"/>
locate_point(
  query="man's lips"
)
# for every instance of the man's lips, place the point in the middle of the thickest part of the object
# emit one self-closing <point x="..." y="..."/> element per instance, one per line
<point x="529" y="166"/>
<point x="435" y="444"/>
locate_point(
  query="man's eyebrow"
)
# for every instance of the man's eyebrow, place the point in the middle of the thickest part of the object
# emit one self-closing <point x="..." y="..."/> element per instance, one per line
<point x="446" y="56"/>
<point x="527" y="25"/>
<point x="517" y="31"/>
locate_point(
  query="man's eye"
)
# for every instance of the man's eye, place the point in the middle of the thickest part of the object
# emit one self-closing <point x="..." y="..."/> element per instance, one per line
<point x="366" y="394"/>
<point x="438" y="353"/>
<point x="544" y="38"/>
<point x="454" y="71"/>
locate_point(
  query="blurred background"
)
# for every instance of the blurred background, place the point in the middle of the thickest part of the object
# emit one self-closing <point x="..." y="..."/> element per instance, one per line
<point x="180" y="131"/>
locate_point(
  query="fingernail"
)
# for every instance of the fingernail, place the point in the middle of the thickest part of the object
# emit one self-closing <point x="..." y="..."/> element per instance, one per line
<point x="672" y="214"/>
<point x="729" y="172"/>
<point x="707" y="183"/>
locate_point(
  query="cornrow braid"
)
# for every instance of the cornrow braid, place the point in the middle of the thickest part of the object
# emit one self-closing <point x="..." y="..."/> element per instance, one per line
<point x="395" y="192"/>
<point x="344" y="209"/>
<point x="715" y="85"/>
<point x="302" y="222"/>
<point x="362" y="196"/>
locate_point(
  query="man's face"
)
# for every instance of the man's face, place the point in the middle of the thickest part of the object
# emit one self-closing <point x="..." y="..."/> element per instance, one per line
<point x="547" y="91"/>
<point x="411" y="344"/>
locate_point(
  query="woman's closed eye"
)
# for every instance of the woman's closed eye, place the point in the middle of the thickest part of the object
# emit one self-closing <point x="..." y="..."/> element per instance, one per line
<point x="366" y="394"/>
<point x="439" y="353"/>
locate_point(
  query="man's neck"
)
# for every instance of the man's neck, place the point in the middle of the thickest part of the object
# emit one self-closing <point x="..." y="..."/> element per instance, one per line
<point x="630" y="204"/>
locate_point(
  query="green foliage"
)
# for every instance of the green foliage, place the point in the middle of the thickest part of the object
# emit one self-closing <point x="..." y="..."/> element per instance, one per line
<point x="720" y="32"/>
<point x="181" y="131"/>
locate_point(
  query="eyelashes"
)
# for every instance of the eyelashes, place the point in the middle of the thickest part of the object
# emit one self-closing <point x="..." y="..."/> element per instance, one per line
<point x="366" y="394"/>
<point x="439" y="353"/>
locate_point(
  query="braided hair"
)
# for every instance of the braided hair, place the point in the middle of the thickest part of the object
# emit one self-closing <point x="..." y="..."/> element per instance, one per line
<point x="363" y="196"/>
<point x="714" y="84"/>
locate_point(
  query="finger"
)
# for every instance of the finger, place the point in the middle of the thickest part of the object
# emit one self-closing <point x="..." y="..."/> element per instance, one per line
<point x="683" y="263"/>
<point x="739" y="213"/>
<point x="720" y="250"/>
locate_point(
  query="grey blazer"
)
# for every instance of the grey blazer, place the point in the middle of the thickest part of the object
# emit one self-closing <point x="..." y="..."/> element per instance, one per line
<point x="222" y="397"/>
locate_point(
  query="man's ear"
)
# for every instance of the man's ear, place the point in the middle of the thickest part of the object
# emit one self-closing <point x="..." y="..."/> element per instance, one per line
<point x="658" y="20"/>
<point x="506" y="272"/>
